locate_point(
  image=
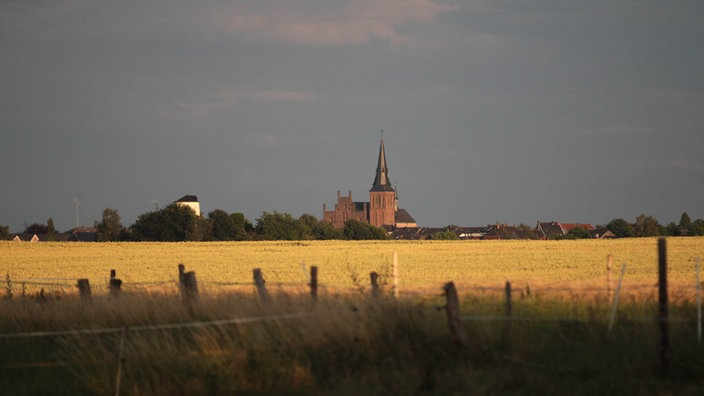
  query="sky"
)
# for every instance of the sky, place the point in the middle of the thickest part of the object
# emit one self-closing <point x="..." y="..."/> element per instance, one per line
<point x="509" y="111"/>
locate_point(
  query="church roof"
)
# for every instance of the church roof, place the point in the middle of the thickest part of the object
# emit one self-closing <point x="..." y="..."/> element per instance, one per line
<point x="359" y="206"/>
<point x="381" y="181"/>
<point x="402" y="216"/>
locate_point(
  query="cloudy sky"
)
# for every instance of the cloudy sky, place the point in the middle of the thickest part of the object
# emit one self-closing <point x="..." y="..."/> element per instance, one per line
<point x="507" y="111"/>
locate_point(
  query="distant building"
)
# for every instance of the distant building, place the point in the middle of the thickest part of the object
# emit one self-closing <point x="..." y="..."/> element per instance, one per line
<point x="382" y="209"/>
<point x="190" y="201"/>
<point x="505" y="231"/>
<point x="78" y="234"/>
<point x="555" y="229"/>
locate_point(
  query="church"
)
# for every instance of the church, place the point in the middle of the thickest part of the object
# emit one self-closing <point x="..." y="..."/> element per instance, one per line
<point x="382" y="209"/>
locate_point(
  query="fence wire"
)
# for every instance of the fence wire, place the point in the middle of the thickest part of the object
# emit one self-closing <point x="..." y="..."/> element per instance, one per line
<point x="143" y="328"/>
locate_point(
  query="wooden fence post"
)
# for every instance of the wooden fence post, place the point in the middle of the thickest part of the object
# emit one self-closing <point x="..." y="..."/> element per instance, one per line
<point x="394" y="271"/>
<point x="181" y="271"/>
<point x="314" y="282"/>
<point x="509" y="306"/>
<point x="120" y="361"/>
<point x="114" y="285"/>
<point x="699" y="303"/>
<point x="376" y="291"/>
<point x="187" y="284"/>
<point x="452" y="308"/>
<point x="84" y="289"/>
<point x="663" y="315"/>
<point x="259" y="283"/>
<point x="616" y="296"/>
<point x="190" y="286"/>
<point x="609" y="265"/>
<point x="8" y="287"/>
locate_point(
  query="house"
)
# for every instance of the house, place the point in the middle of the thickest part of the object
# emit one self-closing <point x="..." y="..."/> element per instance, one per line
<point x="190" y="201"/>
<point x="555" y="229"/>
<point x="601" y="233"/>
<point x="428" y="232"/>
<point x="81" y="234"/>
<point x="503" y="231"/>
<point x="78" y="234"/>
<point x="26" y="238"/>
<point x="469" y="232"/>
<point x="406" y="233"/>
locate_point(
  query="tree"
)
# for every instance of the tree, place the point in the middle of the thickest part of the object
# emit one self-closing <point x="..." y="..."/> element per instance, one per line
<point x="673" y="229"/>
<point x="524" y="227"/>
<point x="51" y="230"/>
<point x="109" y="228"/>
<point x="4" y="233"/>
<point x="697" y="228"/>
<point x="685" y="223"/>
<point x="621" y="228"/>
<point x="281" y="226"/>
<point x="646" y="226"/>
<point x="36" y="228"/>
<point x="244" y="227"/>
<point x="202" y="230"/>
<point x="446" y="235"/>
<point x="355" y="230"/>
<point x="224" y="227"/>
<point x="324" y="230"/>
<point x="320" y="229"/>
<point x="172" y="224"/>
<point x="578" y="233"/>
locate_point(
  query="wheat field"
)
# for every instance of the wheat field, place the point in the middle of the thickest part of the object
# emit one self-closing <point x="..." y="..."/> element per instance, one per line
<point x="342" y="342"/>
<point x="422" y="265"/>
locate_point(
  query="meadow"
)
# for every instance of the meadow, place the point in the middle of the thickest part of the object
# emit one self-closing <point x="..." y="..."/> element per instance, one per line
<point x="346" y="342"/>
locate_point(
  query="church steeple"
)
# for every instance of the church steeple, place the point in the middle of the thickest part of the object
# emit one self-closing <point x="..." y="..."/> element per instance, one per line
<point x="382" y="196"/>
<point x="382" y="209"/>
<point x="381" y="181"/>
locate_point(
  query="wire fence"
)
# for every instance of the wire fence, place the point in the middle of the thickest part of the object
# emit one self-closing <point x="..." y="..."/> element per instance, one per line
<point x="165" y="326"/>
<point x="512" y="359"/>
<point x="189" y="293"/>
<point x="421" y="296"/>
<point x="187" y="287"/>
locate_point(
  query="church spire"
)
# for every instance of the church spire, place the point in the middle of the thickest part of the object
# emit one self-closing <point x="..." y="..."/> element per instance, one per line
<point x="381" y="181"/>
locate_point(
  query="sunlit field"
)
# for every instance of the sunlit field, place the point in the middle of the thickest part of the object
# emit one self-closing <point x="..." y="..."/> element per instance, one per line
<point x="148" y="341"/>
<point x="344" y="265"/>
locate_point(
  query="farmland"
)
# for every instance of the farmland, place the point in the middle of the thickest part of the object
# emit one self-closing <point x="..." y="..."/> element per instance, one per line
<point x="345" y="265"/>
<point x="347" y="343"/>
<point x="422" y="265"/>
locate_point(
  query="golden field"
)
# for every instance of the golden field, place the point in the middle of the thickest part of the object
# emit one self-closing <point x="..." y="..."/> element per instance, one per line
<point x="422" y="265"/>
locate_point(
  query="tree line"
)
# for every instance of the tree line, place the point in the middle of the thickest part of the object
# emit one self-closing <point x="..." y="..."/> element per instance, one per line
<point x="180" y="223"/>
<point x="648" y="226"/>
<point x="176" y="223"/>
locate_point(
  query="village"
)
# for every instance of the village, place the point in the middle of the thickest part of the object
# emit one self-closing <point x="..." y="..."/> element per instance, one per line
<point x="379" y="218"/>
<point x="382" y="212"/>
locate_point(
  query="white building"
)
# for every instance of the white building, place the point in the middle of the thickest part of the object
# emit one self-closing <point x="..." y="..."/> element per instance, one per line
<point x="190" y="201"/>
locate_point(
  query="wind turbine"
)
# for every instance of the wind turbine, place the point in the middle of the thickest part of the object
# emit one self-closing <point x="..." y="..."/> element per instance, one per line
<point x="77" y="200"/>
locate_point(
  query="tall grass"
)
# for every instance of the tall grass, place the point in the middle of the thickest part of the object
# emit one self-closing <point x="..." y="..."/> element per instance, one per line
<point x="344" y="344"/>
